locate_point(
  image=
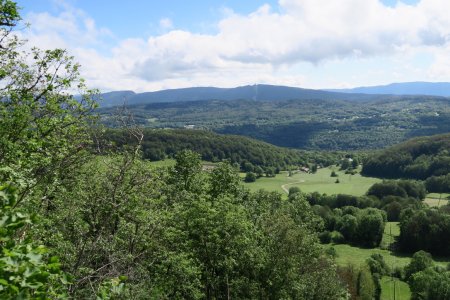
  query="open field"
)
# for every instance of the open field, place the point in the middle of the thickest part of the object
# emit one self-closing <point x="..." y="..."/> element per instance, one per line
<point x="347" y="254"/>
<point x="163" y="163"/>
<point x="320" y="182"/>
<point x="391" y="231"/>
<point x="436" y="199"/>
<point x="402" y="291"/>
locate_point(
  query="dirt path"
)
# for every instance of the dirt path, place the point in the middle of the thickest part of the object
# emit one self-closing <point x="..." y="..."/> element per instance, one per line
<point x="284" y="186"/>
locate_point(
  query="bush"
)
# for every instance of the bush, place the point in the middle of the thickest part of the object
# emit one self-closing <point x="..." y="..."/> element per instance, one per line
<point x="337" y="237"/>
<point x="294" y="190"/>
<point x="331" y="252"/>
<point x="333" y="174"/>
<point x="250" y="177"/>
<point x="325" y="237"/>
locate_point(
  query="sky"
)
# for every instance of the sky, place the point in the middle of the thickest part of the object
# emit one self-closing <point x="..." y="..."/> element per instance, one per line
<point x="152" y="45"/>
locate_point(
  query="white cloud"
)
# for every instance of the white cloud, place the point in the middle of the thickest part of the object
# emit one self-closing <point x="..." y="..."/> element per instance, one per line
<point x="165" y="23"/>
<point x="263" y="46"/>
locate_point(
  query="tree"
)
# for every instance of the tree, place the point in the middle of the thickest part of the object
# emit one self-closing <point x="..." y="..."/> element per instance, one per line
<point x="370" y="227"/>
<point x="250" y="177"/>
<point x="43" y="128"/>
<point x="187" y="169"/>
<point x="25" y="270"/>
<point x="430" y="284"/>
<point x="420" y="261"/>
<point x="377" y="265"/>
<point x="224" y="179"/>
<point x="294" y="190"/>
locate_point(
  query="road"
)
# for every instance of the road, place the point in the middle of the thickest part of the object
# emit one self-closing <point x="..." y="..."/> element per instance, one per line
<point x="284" y="186"/>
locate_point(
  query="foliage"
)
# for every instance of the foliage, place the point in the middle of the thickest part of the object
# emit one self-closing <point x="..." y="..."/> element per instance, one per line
<point x="248" y="153"/>
<point x="420" y="261"/>
<point x="42" y="126"/>
<point x="425" y="229"/>
<point x="25" y="270"/>
<point x="250" y="177"/>
<point x="418" y="158"/>
<point x="377" y="265"/>
<point x="326" y="124"/>
<point x="430" y="284"/>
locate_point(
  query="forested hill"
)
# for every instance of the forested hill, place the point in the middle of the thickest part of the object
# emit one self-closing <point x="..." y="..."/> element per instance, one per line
<point x="418" y="158"/>
<point x="159" y="144"/>
<point x="257" y="92"/>
<point x="305" y="124"/>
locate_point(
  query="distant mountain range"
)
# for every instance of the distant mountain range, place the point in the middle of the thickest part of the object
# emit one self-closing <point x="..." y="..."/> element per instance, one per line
<point x="406" y="88"/>
<point x="259" y="92"/>
<point x="262" y="92"/>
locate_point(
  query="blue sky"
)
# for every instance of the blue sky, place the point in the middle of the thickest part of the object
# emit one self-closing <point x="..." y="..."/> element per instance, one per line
<point x="151" y="45"/>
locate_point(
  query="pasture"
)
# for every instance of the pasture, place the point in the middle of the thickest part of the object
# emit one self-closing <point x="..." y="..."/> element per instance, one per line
<point x="437" y="200"/>
<point x="388" y="284"/>
<point x="321" y="182"/>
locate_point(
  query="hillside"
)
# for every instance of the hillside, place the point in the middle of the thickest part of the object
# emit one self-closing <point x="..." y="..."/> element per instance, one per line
<point x="258" y="92"/>
<point x="159" y="144"/>
<point x="417" y="158"/>
<point x="304" y="124"/>
<point x="404" y="88"/>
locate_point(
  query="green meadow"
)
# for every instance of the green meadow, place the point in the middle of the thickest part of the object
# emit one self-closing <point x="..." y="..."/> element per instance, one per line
<point x="321" y="182"/>
<point x="393" y="288"/>
<point x="437" y="200"/>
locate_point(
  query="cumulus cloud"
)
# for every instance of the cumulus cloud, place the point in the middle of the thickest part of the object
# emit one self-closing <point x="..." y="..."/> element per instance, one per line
<point x="259" y="47"/>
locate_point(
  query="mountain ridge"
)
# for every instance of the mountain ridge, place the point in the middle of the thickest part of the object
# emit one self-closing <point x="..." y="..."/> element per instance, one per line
<point x="258" y="92"/>
<point x="402" y="88"/>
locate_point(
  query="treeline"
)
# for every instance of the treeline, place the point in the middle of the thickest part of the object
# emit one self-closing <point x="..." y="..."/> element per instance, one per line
<point x="348" y="215"/>
<point x="425" y="158"/>
<point x="159" y="144"/>
<point x="360" y="219"/>
<point x="425" y="229"/>
<point x="315" y="124"/>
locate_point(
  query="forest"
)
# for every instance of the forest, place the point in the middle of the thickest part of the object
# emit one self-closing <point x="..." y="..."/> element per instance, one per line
<point x="315" y="124"/>
<point x="85" y="214"/>
<point x="424" y="158"/>
<point x="247" y="153"/>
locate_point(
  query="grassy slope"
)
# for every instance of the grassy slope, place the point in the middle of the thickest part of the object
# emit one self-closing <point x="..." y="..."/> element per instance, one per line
<point x="402" y="291"/>
<point x="320" y="182"/>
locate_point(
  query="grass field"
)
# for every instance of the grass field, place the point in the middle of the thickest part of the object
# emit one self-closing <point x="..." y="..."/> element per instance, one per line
<point x="402" y="291"/>
<point x="320" y="182"/>
<point x="391" y="231"/>
<point x="163" y="163"/>
<point x="435" y="199"/>
<point x="357" y="255"/>
<point x="347" y="254"/>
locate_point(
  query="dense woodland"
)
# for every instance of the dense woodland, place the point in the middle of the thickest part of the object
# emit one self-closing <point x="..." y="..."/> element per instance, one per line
<point x="84" y="214"/>
<point x="248" y="153"/>
<point x="425" y="158"/>
<point x="306" y="123"/>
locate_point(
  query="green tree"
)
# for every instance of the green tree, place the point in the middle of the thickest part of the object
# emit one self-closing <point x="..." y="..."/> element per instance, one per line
<point x="224" y="179"/>
<point x="186" y="172"/>
<point x="294" y="190"/>
<point x="365" y="285"/>
<point x="43" y="128"/>
<point x="419" y="262"/>
<point x="26" y="271"/>
<point x="250" y="177"/>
